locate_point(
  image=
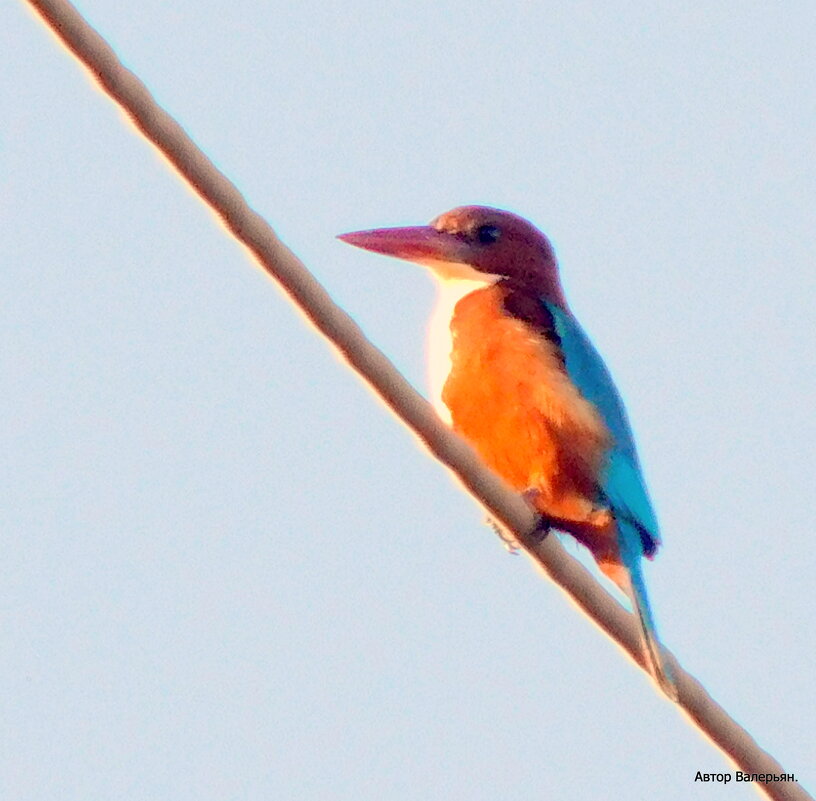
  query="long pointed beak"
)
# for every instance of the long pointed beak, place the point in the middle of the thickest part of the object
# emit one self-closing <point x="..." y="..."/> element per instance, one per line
<point x="422" y="244"/>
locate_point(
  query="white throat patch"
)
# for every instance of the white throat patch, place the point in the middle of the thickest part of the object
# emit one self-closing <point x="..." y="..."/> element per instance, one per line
<point x="454" y="281"/>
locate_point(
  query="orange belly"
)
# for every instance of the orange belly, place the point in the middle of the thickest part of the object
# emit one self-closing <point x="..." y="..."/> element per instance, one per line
<point x="510" y="397"/>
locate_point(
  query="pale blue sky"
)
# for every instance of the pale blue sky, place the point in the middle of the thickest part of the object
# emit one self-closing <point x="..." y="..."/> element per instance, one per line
<point x="225" y="571"/>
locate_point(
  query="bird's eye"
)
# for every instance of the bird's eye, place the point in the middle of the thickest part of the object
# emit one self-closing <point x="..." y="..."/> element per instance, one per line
<point x="488" y="234"/>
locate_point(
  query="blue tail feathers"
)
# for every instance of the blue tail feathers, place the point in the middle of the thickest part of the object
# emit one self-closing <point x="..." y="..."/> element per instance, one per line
<point x="651" y="642"/>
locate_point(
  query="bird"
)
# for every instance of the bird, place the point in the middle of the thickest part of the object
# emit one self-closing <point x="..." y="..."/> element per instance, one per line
<point x="514" y="373"/>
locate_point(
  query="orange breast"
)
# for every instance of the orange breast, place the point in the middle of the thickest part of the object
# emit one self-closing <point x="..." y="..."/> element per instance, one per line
<point x="510" y="396"/>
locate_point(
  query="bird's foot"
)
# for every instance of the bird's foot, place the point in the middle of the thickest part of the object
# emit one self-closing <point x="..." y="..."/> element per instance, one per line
<point x="542" y="528"/>
<point x="509" y="541"/>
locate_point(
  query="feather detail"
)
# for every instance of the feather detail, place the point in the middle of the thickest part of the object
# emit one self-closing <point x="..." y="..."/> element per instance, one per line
<point x="621" y="486"/>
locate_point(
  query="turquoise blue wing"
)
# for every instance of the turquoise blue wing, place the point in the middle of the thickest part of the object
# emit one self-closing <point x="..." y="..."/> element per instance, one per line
<point x="621" y="485"/>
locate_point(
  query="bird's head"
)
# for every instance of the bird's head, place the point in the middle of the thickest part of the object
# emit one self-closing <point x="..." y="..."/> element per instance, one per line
<point x="472" y="243"/>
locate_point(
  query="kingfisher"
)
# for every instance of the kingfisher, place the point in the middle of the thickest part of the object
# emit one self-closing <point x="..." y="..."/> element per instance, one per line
<point x="513" y="372"/>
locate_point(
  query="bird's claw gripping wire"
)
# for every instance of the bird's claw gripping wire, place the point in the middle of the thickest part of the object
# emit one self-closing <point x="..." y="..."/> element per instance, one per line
<point x="541" y="530"/>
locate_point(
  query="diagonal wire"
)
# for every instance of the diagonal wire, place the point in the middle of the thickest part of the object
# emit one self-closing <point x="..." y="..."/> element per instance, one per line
<point x="489" y="490"/>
